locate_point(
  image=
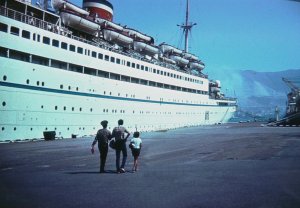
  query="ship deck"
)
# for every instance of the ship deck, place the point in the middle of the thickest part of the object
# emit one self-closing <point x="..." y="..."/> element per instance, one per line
<point x="230" y="165"/>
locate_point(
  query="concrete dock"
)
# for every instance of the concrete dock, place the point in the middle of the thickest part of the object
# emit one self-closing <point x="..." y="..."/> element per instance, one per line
<point x="221" y="166"/>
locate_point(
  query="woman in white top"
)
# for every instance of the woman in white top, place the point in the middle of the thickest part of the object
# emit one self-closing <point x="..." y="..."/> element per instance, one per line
<point x="135" y="145"/>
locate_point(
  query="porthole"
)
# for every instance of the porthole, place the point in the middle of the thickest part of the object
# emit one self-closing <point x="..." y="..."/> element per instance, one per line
<point x="61" y="86"/>
<point x="76" y="88"/>
<point x="109" y="93"/>
<point x="104" y="92"/>
<point x="43" y="84"/>
<point x="42" y="106"/>
<point x="4" y="78"/>
<point x="46" y="128"/>
<point x="106" y="110"/>
<point x="103" y="110"/>
<point x="3" y="103"/>
<point x="55" y="128"/>
<point x="68" y="128"/>
<point x="15" y="128"/>
<point x="83" y="128"/>
<point x="65" y="108"/>
<point x="91" y="109"/>
<point x="72" y="108"/>
<point x="31" y="129"/>
<point x="69" y="87"/>
<point x="80" y="109"/>
<point x="27" y="81"/>
<point x="3" y="128"/>
<point x="55" y="107"/>
<point x="37" y="83"/>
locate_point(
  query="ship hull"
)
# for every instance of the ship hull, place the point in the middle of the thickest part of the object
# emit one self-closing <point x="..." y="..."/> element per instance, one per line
<point x="30" y="109"/>
<point x="291" y="120"/>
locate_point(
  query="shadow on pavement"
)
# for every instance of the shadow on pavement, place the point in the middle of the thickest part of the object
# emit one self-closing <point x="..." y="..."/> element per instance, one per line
<point x="92" y="172"/>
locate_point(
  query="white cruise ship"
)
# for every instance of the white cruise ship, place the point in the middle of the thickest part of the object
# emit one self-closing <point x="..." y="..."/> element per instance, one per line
<point x="64" y="71"/>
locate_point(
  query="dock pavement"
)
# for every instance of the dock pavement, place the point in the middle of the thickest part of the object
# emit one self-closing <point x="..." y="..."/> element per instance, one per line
<point x="219" y="166"/>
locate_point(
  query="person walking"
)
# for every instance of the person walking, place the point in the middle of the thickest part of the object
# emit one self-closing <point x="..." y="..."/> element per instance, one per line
<point x="102" y="137"/>
<point x="135" y="145"/>
<point x="120" y="145"/>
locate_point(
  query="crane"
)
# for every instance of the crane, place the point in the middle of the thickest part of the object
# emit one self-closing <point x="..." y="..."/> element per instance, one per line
<point x="293" y="104"/>
<point x="291" y="84"/>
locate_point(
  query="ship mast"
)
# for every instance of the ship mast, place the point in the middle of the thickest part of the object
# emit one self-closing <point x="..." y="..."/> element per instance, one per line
<point x="187" y="27"/>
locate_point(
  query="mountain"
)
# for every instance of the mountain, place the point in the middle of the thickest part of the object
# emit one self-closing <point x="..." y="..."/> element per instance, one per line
<point x="258" y="93"/>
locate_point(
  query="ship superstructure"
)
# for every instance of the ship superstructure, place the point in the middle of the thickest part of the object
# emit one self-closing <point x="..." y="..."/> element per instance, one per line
<point x="66" y="71"/>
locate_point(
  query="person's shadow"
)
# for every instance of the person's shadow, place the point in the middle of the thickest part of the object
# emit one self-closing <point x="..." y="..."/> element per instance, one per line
<point x="91" y="172"/>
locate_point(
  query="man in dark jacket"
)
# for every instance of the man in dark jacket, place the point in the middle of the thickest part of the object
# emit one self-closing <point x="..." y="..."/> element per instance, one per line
<point x="120" y="144"/>
<point x="102" y="137"/>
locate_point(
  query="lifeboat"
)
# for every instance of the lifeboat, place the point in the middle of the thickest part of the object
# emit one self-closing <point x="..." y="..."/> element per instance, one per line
<point x="197" y="65"/>
<point x="145" y="48"/>
<point x="79" y="23"/>
<point x="215" y="86"/>
<point x="179" y="60"/>
<point x="165" y="48"/>
<point x="109" y="25"/>
<point x="64" y="5"/>
<point x="167" y="60"/>
<point x="138" y="35"/>
<point x="118" y="38"/>
<point x="190" y="56"/>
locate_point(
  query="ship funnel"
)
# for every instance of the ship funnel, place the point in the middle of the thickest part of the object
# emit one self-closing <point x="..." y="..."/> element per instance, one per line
<point x="99" y="8"/>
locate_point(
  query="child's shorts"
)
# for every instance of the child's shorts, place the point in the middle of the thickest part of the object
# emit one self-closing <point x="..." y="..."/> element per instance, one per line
<point x="135" y="152"/>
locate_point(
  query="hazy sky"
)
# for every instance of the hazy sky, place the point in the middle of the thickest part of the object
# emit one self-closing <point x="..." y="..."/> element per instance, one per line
<point x="262" y="35"/>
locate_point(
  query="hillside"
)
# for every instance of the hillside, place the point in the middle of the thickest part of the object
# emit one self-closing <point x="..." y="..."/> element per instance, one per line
<point x="258" y="93"/>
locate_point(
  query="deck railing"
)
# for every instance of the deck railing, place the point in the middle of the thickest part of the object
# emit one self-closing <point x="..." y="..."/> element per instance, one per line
<point x="55" y="28"/>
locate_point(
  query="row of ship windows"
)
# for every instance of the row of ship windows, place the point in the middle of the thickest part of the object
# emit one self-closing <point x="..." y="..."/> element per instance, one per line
<point x="40" y="83"/>
<point x="46" y="40"/>
<point x="106" y="110"/>
<point x="21" y="56"/>
<point x="46" y="128"/>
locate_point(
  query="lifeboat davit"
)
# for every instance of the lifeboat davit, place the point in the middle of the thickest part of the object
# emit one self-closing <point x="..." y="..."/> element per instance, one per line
<point x="64" y="5"/>
<point x="165" y="48"/>
<point x="179" y="60"/>
<point x="99" y="8"/>
<point x="118" y="38"/>
<point x="79" y="23"/>
<point x="138" y="35"/>
<point x="197" y="65"/>
<point x="145" y="48"/>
